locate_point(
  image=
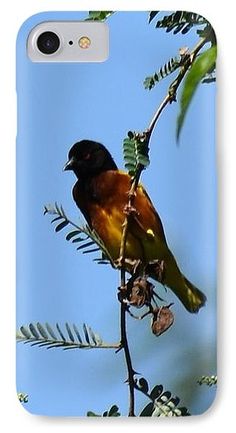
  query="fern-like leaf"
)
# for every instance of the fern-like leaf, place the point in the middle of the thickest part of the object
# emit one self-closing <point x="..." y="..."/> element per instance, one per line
<point x="99" y="15"/>
<point x="152" y="15"/>
<point x="79" y="234"/>
<point x="167" y="69"/>
<point x="113" y="411"/>
<point x="180" y="21"/>
<point x="22" y="397"/>
<point x="68" y="338"/>
<point x="208" y="380"/>
<point x="136" y="152"/>
<point x="163" y="403"/>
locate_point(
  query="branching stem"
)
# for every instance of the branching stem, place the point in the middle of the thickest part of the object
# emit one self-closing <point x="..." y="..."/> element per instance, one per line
<point x="188" y="59"/>
<point x="131" y="372"/>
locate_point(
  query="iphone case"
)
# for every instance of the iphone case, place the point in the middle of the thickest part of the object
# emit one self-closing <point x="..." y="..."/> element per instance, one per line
<point x="116" y="282"/>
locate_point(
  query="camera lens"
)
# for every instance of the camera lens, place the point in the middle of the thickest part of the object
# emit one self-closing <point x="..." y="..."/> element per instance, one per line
<point x="48" y="43"/>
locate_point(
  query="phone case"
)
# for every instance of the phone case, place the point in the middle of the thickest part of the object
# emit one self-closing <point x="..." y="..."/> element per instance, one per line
<point x="116" y="254"/>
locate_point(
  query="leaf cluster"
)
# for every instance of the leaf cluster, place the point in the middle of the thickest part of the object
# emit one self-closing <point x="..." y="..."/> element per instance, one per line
<point x="22" y="397"/>
<point x="99" y="15"/>
<point x="136" y="152"/>
<point x="165" y="70"/>
<point x="208" y="380"/>
<point x="87" y="239"/>
<point x="113" y="411"/>
<point x="163" y="403"/>
<point x="56" y="337"/>
<point x="178" y="21"/>
<point x="198" y="67"/>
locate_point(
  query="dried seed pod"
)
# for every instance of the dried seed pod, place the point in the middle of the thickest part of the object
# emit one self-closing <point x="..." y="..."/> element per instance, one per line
<point x="162" y="319"/>
<point x="156" y="269"/>
<point x="140" y="293"/>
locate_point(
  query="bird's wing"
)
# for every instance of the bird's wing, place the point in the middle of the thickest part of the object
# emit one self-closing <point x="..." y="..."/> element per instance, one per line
<point x="103" y="202"/>
<point x="147" y="216"/>
<point x="146" y="225"/>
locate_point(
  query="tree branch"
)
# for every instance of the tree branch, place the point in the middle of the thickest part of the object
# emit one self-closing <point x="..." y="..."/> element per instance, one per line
<point x="131" y="372"/>
<point x="187" y="60"/>
<point x="168" y="99"/>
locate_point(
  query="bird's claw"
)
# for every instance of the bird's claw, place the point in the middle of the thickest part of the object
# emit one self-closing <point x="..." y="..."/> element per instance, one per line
<point x="130" y="210"/>
<point x="157" y="266"/>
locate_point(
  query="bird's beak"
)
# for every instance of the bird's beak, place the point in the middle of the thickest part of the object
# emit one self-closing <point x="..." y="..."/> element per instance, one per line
<point x="69" y="164"/>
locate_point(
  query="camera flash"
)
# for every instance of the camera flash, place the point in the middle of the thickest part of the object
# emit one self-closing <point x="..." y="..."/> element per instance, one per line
<point x="84" y="42"/>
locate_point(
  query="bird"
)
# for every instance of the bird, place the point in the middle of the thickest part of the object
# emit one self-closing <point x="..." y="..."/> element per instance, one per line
<point x="101" y="194"/>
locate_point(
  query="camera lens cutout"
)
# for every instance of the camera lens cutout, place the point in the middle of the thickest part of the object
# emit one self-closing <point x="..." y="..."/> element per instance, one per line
<point x="48" y="43"/>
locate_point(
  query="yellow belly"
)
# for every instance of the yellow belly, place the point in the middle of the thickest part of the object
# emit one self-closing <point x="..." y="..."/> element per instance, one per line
<point x="144" y="246"/>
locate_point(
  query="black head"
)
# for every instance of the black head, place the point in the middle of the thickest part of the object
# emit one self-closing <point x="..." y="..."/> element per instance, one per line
<point x="88" y="158"/>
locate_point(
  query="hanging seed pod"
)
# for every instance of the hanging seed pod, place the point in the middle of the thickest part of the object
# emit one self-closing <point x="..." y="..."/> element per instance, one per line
<point x="162" y="319"/>
<point x="140" y="293"/>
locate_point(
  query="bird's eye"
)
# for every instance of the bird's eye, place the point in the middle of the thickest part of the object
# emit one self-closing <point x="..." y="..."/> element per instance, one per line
<point x="86" y="156"/>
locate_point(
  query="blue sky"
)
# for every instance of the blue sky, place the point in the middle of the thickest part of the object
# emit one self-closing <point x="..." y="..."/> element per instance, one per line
<point x="60" y="104"/>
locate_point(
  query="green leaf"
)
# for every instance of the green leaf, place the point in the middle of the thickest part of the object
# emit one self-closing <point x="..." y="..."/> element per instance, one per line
<point x="92" y="250"/>
<point x="143" y="160"/>
<point x="87" y="244"/>
<point x="74" y="241"/>
<point x="56" y="219"/>
<point x="208" y="380"/>
<point x="180" y="21"/>
<point x="135" y="151"/>
<point x="199" y="69"/>
<point x="147" y="410"/>
<point x="50" y="331"/>
<point x="77" y="333"/>
<point x="42" y="331"/>
<point x="114" y="411"/>
<point x="130" y="134"/>
<point x="45" y="336"/>
<point x="99" y="15"/>
<point x="69" y="332"/>
<point x="90" y="413"/>
<point x="165" y="70"/>
<point x="93" y="336"/>
<point x="34" y="331"/>
<point x="163" y="404"/>
<point x="72" y="234"/>
<point x="85" y="231"/>
<point x="25" y="332"/>
<point x="156" y="391"/>
<point x="61" y="226"/>
<point x="86" y="334"/>
<point x="152" y="15"/>
<point x="60" y="332"/>
<point x="143" y="385"/>
<point x="22" y="397"/>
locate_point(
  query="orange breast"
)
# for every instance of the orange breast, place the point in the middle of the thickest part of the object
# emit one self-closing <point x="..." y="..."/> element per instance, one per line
<point x="102" y="204"/>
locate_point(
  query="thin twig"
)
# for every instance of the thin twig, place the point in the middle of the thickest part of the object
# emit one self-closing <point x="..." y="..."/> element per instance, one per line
<point x="168" y="99"/>
<point x="131" y="372"/>
<point x="65" y="344"/>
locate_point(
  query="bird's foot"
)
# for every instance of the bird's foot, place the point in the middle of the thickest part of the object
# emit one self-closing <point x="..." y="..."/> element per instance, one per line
<point x="130" y="210"/>
<point x="132" y="265"/>
<point x="157" y="267"/>
<point x="131" y="195"/>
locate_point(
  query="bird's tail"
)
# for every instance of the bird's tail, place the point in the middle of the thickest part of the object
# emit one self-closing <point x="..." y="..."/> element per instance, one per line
<point x="191" y="297"/>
